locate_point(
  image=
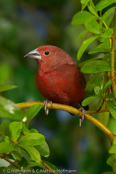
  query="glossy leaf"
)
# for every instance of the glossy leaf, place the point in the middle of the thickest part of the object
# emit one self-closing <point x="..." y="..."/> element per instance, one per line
<point x="15" y="129"/>
<point x="102" y="4"/>
<point x="43" y="149"/>
<point x="6" y="87"/>
<point x="32" y="151"/>
<point x="88" y="100"/>
<point x="92" y="25"/>
<point x="95" y="66"/>
<point x="9" y="110"/>
<point x="84" y="46"/>
<point x="81" y="17"/>
<point x="112" y="108"/>
<point x="114" y="140"/>
<point x="5" y="147"/>
<point x="33" y="110"/>
<point x="32" y="139"/>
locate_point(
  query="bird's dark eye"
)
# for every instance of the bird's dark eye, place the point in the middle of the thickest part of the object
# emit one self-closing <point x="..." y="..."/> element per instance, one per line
<point x="47" y="52"/>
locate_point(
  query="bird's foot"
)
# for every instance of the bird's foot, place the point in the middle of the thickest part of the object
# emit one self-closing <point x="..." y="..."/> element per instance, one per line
<point x="83" y="114"/>
<point x="45" y="106"/>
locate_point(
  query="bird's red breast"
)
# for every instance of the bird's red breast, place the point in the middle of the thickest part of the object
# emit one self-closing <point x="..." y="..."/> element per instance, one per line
<point x="59" y="78"/>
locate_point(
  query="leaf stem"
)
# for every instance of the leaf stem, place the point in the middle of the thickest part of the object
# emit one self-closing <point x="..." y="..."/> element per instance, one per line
<point x="77" y="112"/>
<point x="112" y="58"/>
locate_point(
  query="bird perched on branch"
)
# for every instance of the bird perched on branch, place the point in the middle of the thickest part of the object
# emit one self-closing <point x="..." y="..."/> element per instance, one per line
<point x="59" y="78"/>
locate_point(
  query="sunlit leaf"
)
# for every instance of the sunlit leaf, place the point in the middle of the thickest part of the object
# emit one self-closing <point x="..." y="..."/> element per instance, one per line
<point x="81" y="17"/>
<point x="112" y="108"/>
<point x="33" y="110"/>
<point x="103" y="47"/>
<point x="102" y="4"/>
<point x="105" y="16"/>
<point x="6" y="87"/>
<point x="8" y="109"/>
<point x="32" y="139"/>
<point x="87" y="100"/>
<point x="95" y="66"/>
<point x="92" y="25"/>
<point x="33" y="152"/>
<point x="5" y="147"/>
<point x="43" y="149"/>
<point x="15" y="129"/>
<point x="84" y="46"/>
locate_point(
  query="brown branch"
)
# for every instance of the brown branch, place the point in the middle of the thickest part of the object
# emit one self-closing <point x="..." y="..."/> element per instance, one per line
<point x="74" y="111"/>
<point x="12" y="163"/>
<point x="112" y="58"/>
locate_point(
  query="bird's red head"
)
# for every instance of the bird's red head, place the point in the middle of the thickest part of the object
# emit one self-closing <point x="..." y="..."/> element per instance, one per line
<point x="49" y="56"/>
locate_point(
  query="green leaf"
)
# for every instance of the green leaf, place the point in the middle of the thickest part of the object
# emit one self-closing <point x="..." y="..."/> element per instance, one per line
<point x="84" y="1"/>
<point x="15" y="129"/>
<point x="92" y="25"/>
<point x="33" y="153"/>
<point x="102" y="4"/>
<point x="107" y="33"/>
<point x="112" y="108"/>
<point x="31" y="139"/>
<point x="32" y="111"/>
<point x="112" y="149"/>
<point x="95" y="66"/>
<point x="55" y="168"/>
<point x="95" y="80"/>
<point x="97" y="90"/>
<point x="114" y="140"/>
<point x="105" y="17"/>
<point x="91" y="8"/>
<point x="81" y="17"/>
<point x="6" y="87"/>
<point x="4" y="129"/>
<point x="9" y="110"/>
<point x="103" y="47"/>
<point x="16" y="155"/>
<point x="87" y="100"/>
<point x="43" y="149"/>
<point x="82" y="34"/>
<point x="84" y="46"/>
<point x="5" y="147"/>
<point x="112" y="160"/>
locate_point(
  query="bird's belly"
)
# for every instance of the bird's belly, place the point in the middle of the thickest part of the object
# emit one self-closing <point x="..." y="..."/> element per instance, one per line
<point x="60" y="89"/>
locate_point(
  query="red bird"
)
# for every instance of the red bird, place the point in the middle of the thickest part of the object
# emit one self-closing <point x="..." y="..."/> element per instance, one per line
<point x="59" y="78"/>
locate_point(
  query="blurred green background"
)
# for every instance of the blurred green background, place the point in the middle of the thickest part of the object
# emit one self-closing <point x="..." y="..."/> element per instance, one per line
<point x="25" y="25"/>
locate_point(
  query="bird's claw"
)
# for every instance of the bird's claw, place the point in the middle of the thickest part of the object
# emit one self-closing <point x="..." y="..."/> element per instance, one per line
<point x="45" y="106"/>
<point x="83" y="115"/>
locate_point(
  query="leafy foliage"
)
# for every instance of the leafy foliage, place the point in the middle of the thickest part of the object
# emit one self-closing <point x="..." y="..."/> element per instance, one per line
<point x="26" y="147"/>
